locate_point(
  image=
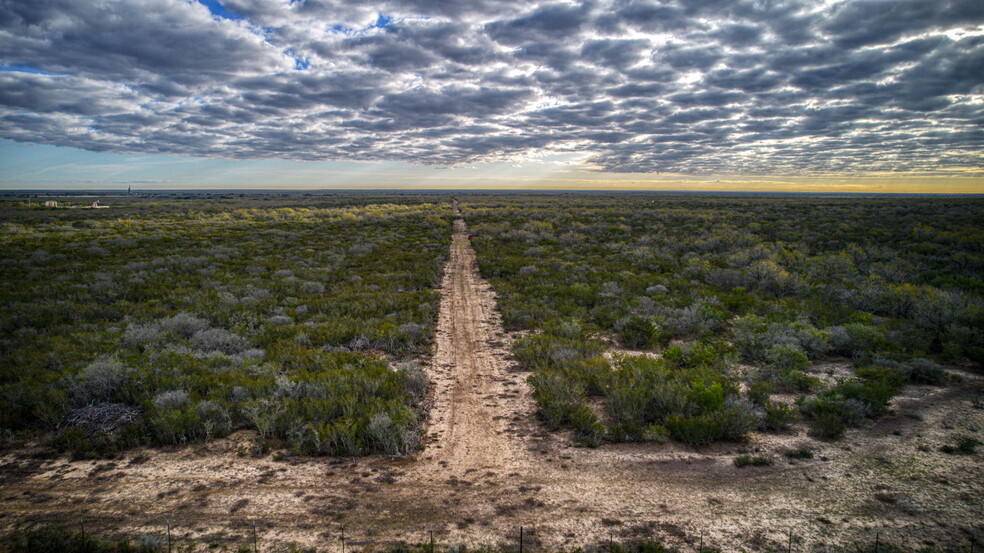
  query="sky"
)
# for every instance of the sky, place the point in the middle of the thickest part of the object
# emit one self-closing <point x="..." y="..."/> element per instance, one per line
<point x="789" y="95"/>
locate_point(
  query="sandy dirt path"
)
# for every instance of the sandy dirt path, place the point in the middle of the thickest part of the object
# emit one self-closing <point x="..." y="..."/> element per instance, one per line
<point x="474" y="392"/>
<point x="487" y="466"/>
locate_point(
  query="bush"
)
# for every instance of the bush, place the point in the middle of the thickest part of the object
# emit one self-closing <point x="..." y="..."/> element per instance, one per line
<point x="217" y="339"/>
<point x="787" y="358"/>
<point x="557" y="397"/>
<point x="215" y="419"/>
<point x="545" y="350"/>
<point x="700" y="430"/>
<point x="85" y="443"/>
<point x="178" y="426"/>
<point x="391" y="438"/>
<point x="799" y="453"/>
<point x="637" y="332"/>
<point x="752" y="460"/>
<point x="828" y="426"/>
<point x="629" y="404"/>
<point x="755" y="338"/>
<point x="264" y="415"/>
<point x="415" y="380"/>
<point x="141" y="334"/>
<point x="857" y="340"/>
<point x="656" y="433"/>
<point x="876" y="393"/>
<point x="707" y="398"/>
<point x="103" y="380"/>
<point x="798" y="381"/>
<point x="737" y="419"/>
<point x="778" y="416"/>
<point x="57" y="539"/>
<point x="759" y="392"/>
<point x="174" y="399"/>
<point x="963" y="445"/>
<point x="184" y="325"/>
<point x="711" y="355"/>
<point x="924" y="371"/>
<point x="588" y="430"/>
<point x="569" y="328"/>
<point x="312" y="287"/>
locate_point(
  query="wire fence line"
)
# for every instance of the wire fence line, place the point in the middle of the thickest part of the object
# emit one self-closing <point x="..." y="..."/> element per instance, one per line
<point x="266" y="536"/>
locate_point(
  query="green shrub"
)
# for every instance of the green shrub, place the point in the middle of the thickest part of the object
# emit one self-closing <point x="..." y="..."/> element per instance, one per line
<point x="798" y="381"/>
<point x="875" y="393"/>
<point x="588" y="430"/>
<point x="924" y="371"/>
<point x="700" y="430"/>
<point x="799" y="453"/>
<point x="828" y="426"/>
<point x="711" y="355"/>
<point x="858" y="340"/>
<point x="629" y="404"/>
<point x="638" y="332"/>
<point x="752" y="460"/>
<point x="82" y="443"/>
<point x="177" y="426"/>
<point x="390" y="437"/>
<point x="759" y="392"/>
<point x="778" y="416"/>
<point x="57" y="539"/>
<point x="557" y="397"/>
<point x="707" y="398"/>
<point x="656" y="433"/>
<point x="786" y="358"/>
<point x="545" y="350"/>
<point x="963" y="445"/>
<point x="735" y="420"/>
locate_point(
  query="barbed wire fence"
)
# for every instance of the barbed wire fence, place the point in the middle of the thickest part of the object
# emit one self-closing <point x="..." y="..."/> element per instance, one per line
<point x="168" y="533"/>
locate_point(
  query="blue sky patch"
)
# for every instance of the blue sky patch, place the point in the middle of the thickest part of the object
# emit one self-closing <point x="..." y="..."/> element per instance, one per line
<point x="382" y="22"/>
<point x="25" y="69"/>
<point x="219" y="10"/>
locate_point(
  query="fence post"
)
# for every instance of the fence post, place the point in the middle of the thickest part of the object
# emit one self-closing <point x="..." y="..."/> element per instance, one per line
<point x="520" y="539"/>
<point x="700" y="549"/>
<point x="254" y="536"/>
<point x="432" y="541"/>
<point x="876" y="542"/>
<point x="972" y="543"/>
<point x="343" y="538"/>
<point x="169" y="536"/>
<point x="789" y="546"/>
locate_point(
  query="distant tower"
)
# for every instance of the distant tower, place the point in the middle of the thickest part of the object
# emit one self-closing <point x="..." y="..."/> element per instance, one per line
<point x="128" y="187"/>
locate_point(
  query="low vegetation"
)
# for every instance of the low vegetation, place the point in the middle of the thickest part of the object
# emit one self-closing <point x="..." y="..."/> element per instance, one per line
<point x="176" y="320"/>
<point x="55" y="539"/>
<point x="740" y="298"/>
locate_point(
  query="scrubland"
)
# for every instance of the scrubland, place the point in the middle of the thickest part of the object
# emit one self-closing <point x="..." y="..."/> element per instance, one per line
<point x="682" y="369"/>
<point x="740" y="297"/>
<point x="170" y="321"/>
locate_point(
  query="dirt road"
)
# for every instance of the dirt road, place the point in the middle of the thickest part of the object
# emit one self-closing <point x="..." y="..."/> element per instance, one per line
<point x="487" y="467"/>
<point x="473" y="388"/>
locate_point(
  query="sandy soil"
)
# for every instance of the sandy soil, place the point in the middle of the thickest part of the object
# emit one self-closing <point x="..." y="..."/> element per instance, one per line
<point x="488" y="467"/>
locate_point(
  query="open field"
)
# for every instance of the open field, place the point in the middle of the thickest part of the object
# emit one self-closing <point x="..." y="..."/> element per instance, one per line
<point x="495" y="452"/>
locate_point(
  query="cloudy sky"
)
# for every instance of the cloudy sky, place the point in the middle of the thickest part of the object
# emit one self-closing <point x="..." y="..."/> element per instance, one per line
<point x="713" y="94"/>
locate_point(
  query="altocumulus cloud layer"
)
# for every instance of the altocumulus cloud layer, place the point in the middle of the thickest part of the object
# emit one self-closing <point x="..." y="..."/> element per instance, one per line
<point x="711" y="86"/>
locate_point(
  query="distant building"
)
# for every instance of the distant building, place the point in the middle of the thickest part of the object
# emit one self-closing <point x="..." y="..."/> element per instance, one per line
<point x="50" y="203"/>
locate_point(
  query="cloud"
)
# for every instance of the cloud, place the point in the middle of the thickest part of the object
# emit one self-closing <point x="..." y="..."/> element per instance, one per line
<point x="792" y="87"/>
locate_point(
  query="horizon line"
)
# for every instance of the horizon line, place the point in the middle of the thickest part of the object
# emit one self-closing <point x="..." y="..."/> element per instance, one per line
<point x="124" y="192"/>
